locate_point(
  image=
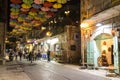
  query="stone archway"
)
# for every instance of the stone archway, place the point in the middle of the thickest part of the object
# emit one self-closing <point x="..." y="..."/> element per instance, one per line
<point x="104" y="43"/>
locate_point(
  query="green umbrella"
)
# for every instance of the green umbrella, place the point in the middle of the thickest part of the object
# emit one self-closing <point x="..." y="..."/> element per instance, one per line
<point x="28" y="1"/>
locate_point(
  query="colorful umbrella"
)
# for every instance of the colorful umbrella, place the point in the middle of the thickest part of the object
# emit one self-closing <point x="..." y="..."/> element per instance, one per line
<point x="28" y="1"/>
<point x="20" y="19"/>
<point x="15" y="5"/>
<point x="50" y="13"/>
<point x="16" y="1"/>
<point x="32" y="13"/>
<point x="53" y="10"/>
<point x="62" y="1"/>
<point x="26" y="5"/>
<point x="51" y="0"/>
<point x="14" y="10"/>
<point x="23" y="15"/>
<point x="14" y="13"/>
<point x="39" y="1"/>
<point x="24" y="9"/>
<point x="57" y="5"/>
<point x="47" y="4"/>
<point x="45" y="9"/>
<point x="13" y="16"/>
<point x="42" y="12"/>
<point x="37" y="6"/>
<point x="33" y="10"/>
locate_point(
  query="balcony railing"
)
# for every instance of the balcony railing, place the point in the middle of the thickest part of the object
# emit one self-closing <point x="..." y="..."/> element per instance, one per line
<point x="101" y="6"/>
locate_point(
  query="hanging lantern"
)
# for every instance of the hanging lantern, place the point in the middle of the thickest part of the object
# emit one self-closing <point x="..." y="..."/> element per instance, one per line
<point x="47" y="4"/>
<point x="57" y="5"/>
<point x="62" y="1"/>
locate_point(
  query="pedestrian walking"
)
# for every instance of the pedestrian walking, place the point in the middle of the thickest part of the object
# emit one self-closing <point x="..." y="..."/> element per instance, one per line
<point x="30" y="56"/>
<point x="39" y="55"/>
<point x="16" y="55"/>
<point x="20" y="55"/>
<point x="48" y="55"/>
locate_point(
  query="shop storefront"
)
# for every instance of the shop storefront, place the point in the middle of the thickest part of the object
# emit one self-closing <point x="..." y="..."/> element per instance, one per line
<point x="102" y="48"/>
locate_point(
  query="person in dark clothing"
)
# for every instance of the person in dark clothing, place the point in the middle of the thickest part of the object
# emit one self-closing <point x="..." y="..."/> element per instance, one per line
<point x="39" y="55"/>
<point x="20" y="55"/>
<point x="48" y="55"/>
<point x="30" y="56"/>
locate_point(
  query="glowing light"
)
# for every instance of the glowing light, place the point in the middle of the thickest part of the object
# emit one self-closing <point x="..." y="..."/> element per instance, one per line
<point x="48" y="33"/>
<point x="84" y="25"/>
<point x="98" y="24"/>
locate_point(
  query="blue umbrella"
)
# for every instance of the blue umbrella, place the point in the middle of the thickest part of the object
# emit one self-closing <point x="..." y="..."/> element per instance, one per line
<point x="23" y="15"/>
<point x="15" y="5"/>
<point x="37" y="6"/>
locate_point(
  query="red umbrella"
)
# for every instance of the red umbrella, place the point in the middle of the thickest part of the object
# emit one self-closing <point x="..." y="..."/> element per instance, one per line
<point x="47" y="4"/>
<point x="33" y="10"/>
<point x="16" y="1"/>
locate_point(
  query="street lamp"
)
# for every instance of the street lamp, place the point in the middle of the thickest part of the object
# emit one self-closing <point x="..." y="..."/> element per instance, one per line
<point x="84" y="32"/>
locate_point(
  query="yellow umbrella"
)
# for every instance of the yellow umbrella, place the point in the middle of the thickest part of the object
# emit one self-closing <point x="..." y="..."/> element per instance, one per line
<point x="57" y="5"/>
<point x="62" y="1"/>
<point x="51" y="0"/>
<point x="26" y="5"/>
